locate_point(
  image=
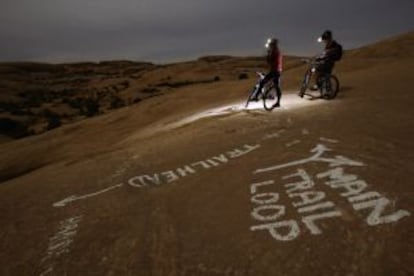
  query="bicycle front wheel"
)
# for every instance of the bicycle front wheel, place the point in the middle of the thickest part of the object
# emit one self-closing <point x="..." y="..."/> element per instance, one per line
<point x="270" y="99"/>
<point x="249" y="98"/>
<point x="330" y="87"/>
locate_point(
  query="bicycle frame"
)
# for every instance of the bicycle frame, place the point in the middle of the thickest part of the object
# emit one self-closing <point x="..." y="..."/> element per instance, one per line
<point x="324" y="81"/>
<point x="263" y="93"/>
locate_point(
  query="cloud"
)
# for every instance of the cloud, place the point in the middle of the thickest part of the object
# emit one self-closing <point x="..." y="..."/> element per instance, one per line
<point x="168" y="29"/>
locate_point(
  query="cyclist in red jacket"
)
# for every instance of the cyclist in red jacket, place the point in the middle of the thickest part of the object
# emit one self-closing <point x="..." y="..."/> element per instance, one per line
<point x="274" y="60"/>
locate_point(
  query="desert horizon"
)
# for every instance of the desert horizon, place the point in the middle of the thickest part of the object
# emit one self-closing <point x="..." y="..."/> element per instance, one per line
<point x="88" y="98"/>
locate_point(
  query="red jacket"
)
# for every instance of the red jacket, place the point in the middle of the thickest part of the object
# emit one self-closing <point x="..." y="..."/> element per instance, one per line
<point x="275" y="60"/>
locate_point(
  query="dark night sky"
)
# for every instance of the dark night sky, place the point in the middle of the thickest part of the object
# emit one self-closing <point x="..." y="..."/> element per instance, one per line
<point x="167" y="30"/>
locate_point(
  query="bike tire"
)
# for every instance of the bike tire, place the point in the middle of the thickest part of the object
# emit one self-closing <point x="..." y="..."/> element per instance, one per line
<point x="247" y="102"/>
<point x="330" y="87"/>
<point x="249" y="98"/>
<point x="270" y="99"/>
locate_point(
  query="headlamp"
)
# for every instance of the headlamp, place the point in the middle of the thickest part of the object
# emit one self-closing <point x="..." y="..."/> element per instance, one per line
<point x="268" y="43"/>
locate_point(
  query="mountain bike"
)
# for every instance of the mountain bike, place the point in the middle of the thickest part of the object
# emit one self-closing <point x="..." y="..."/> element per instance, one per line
<point x="328" y="84"/>
<point x="268" y="94"/>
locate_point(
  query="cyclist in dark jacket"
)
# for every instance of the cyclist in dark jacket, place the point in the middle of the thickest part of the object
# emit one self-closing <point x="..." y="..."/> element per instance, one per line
<point x="328" y="58"/>
<point x="274" y="60"/>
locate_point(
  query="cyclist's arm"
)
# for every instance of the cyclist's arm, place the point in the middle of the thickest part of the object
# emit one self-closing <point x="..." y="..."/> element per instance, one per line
<point x="321" y="57"/>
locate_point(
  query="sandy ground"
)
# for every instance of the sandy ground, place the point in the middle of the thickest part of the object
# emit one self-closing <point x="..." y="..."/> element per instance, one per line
<point x="191" y="183"/>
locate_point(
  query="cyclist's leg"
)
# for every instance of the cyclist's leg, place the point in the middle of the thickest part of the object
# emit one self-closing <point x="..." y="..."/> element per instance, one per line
<point x="327" y="75"/>
<point x="322" y="69"/>
<point x="327" y="70"/>
<point x="329" y="67"/>
<point x="276" y="82"/>
<point x="318" y="72"/>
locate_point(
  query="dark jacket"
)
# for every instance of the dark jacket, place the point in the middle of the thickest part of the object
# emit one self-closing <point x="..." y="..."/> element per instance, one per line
<point x="332" y="51"/>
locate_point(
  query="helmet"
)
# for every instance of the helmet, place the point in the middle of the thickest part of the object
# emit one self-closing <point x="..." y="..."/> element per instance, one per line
<point x="327" y="35"/>
<point x="271" y="42"/>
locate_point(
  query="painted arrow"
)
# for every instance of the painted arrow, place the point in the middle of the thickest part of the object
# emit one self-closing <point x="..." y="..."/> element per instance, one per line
<point x="317" y="151"/>
<point x="72" y="198"/>
<point x="339" y="160"/>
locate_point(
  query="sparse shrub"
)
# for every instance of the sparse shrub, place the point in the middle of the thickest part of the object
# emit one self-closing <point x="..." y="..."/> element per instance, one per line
<point x="9" y="106"/>
<point x="18" y="112"/>
<point x="31" y="132"/>
<point x="29" y="112"/>
<point x="52" y="118"/>
<point x="13" y="128"/>
<point x="91" y="107"/>
<point x="117" y="102"/>
<point x="150" y="90"/>
<point x="80" y="81"/>
<point x="76" y="103"/>
<point x="66" y="100"/>
<point x="68" y="92"/>
<point x="48" y="113"/>
<point x="125" y="84"/>
<point x="54" y="122"/>
<point x="176" y="84"/>
<point x="88" y="72"/>
<point x="216" y="58"/>
<point x="7" y="125"/>
<point x="22" y="94"/>
<point x="35" y="97"/>
<point x="114" y="88"/>
<point x="137" y="100"/>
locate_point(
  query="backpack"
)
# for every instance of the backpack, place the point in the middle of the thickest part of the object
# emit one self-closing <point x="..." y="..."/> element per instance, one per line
<point x="339" y="53"/>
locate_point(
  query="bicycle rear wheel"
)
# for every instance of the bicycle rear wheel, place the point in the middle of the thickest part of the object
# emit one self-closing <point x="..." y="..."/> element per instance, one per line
<point x="270" y="99"/>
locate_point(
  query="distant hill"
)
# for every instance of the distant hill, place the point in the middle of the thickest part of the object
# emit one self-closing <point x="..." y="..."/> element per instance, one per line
<point x="396" y="47"/>
<point x="37" y="97"/>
